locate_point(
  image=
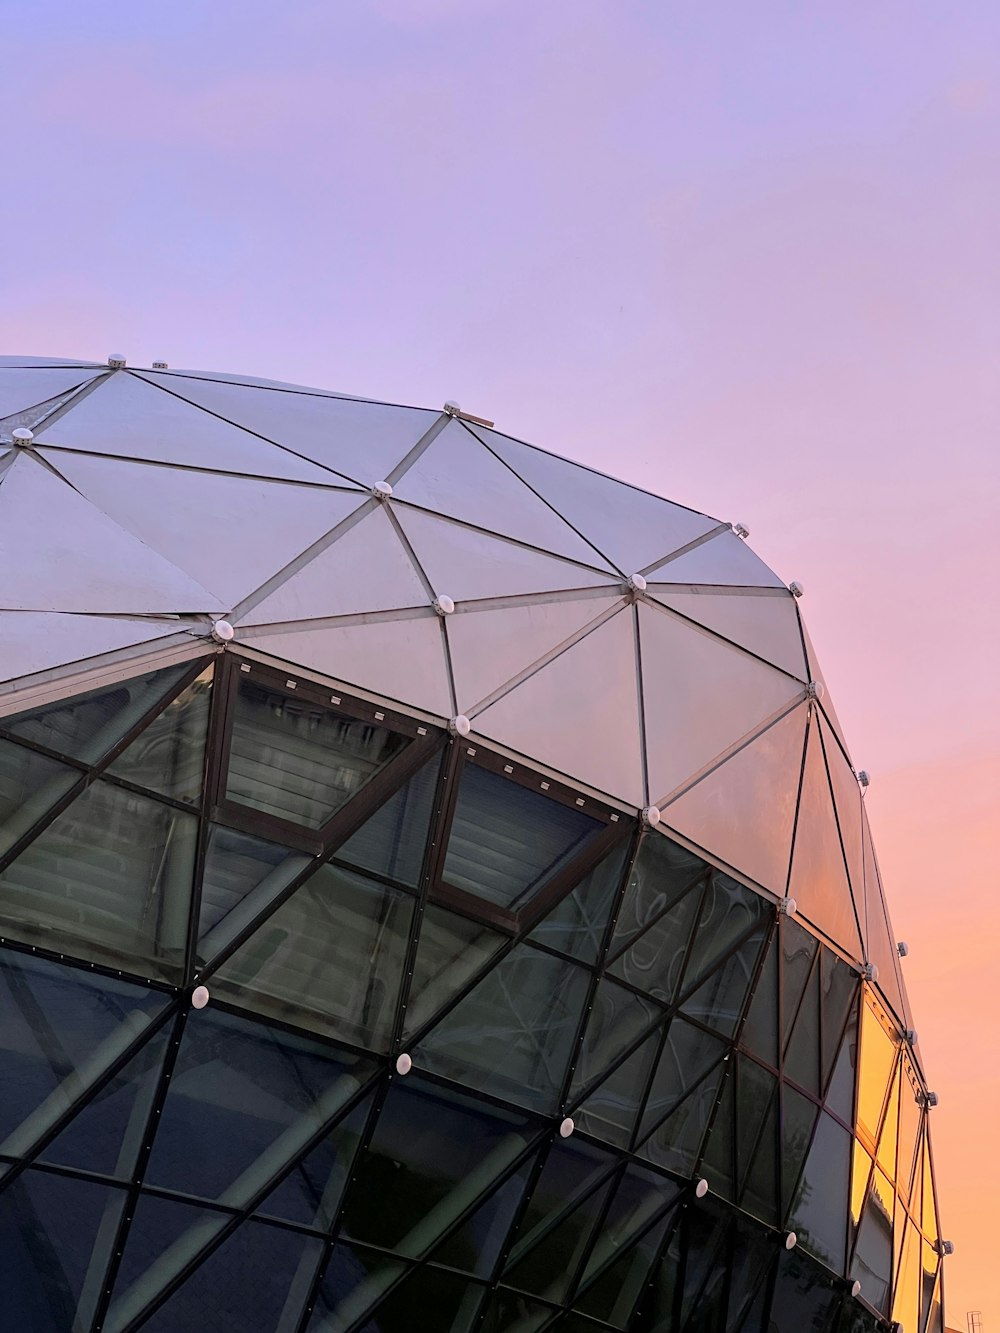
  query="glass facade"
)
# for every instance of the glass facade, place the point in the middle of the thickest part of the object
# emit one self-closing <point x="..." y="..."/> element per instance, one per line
<point x="353" y="885"/>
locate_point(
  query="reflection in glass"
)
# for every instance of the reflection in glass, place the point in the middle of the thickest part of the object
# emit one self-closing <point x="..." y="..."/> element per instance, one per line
<point x="877" y="1056"/>
<point x="873" y="1253"/>
<point x="661" y="873"/>
<point x="819" y="1213"/>
<point x="30" y="785"/>
<point x="168" y="755"/>
<point x="450" y="951"/>
<point x="237" y="864"/>
<point x="576" y="925"/>
<point x="392" y="841"/>
<point x="617" y="1018"/>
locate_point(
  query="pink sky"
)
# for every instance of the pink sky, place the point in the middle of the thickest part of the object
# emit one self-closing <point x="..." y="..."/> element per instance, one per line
<point x="744" y="255"/>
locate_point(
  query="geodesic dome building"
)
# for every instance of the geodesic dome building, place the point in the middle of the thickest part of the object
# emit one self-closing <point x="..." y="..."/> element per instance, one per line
<point x="435" y="894"/>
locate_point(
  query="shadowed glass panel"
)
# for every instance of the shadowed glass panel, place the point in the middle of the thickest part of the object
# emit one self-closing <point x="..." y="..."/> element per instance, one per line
<point x="330" y="958"/>
<point x="676" y="1142"/>
<point x="617" y="1018"/>
<point x="840" y="1094"/>
<point x="760" y="1031"/>
<point x="168" y="755"/>
<point x="30" y="785"/>
<point x="87" y="726"/>
<point x="475" y="1246"/>
<point x="297" y="760"/>
<point x="873" y="1252"/>
<point x="840" y="985"/>
<point x="506" y="841"/>
<point x="819" y="1213"/>
<point x="757" y="1140"/>
<point x="450" y="951"/>
<point x="752" y="1253"/>
<point x="513" y="1034"/>
<point x="109" y="879"/>
<point x="611" y="1291"/>
<point x="392" y="842"/>
<point x="578" y="923"/>
<point x="237" y="864"/>
<point x="805" y="1297"/>
<point x="798" y="949"/>
<point x="610" y="1111"/>
<point x="718" y="1002"/>
<point x="718" y="1163"/>
<point x="687" y="1056"/>
<point x="654" y="961"/>
<point x="428" y="1301"/>
<point x="802" y="1052"/>
<point x="798" y="1116"/>
<point x="661" y="873"/>
<point x="729" y="912"/>
<point x="353" y="1280"/>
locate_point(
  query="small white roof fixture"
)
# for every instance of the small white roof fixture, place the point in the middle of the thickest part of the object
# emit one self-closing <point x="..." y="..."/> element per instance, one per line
<point x="855" y="1288"/>
<point x="452" y="409"/>
<point x="700" y="1188"/>
<point x="796" y="588"/>
<point x="443" y="604"/>
<point x="787" y="907"/>
<point x="650" y="816"/>
<point x="910" y="1036"/>
<point x="382" y="490"/>
<point x="815" y="689"/>
<point x="791" y="1240"/>
<point x="864" y="777"/>
<point x="116" y="361"/>
<point x="200" y="997"/>
<point x="403" y="1064"/>
<point x="635" y="583"/>
<point x="567" y="1127"/>
<point x="223" y="632"/>
<point x="902" y="948"/>
<point x="160" y="365"/>
<point x="460" y="725"/>
<point x="22" y="436"/>
<point x="741" y="530"/>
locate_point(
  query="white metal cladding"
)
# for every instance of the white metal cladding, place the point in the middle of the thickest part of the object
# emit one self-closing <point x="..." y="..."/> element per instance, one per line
<point x="149" y="504"/>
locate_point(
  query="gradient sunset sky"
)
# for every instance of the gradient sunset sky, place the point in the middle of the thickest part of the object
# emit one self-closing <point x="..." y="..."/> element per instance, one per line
<point x="744" y="254"/>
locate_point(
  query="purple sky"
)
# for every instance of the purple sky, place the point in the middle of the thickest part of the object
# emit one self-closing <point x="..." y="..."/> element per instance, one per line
<point x="744" y="254"/>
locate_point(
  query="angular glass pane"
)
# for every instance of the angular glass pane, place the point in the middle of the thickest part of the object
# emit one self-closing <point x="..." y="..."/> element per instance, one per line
<point x="244" y="1101"/>
<point x="718" y="1002"/>
<point x="928" y="1280"/>
<point x="168" y="756"/>
<point x="439" y="1153"/>
<point x="840" y="987"/>
<point x="87" y="726"/>
<point x="654" y="961"/>
<point x="392" y="842"/>
<point x="512" y="1036"/>
<point x="752" y="1254"/>
<point x="676" y="1142"/>
<point x="612" y="1291"/>
<point x="236" y="864"/>
<point x="546" y="1262"/>
<point x="728" y="913"/>
<point x="661" y="873"/>
<point x="450" y="951"/>
<point x="873" y="1252"/>
<point x="510" y="1312"/>
<point x="57" y="1237"/>
<point x="878" y="1054"/>
<point x="428" y="1301"/>
<point x="704" y="1268"/>
<point x="798" y="1116"/>
<point x="929" y="1212"/>
<point x="906" y="1300"/>
<point x="108" y="880"/>
<point x="353" y="1281"/>
<point x="617" y="1018"/>
<point x="331" y="958"/>
<point x="639" y="1199"/>
<point x="909" y="1127"/>
<point x="718" y="1160"/>
<point x="577" y="925"/>
<point x="506" y="841"/>
<point x="30" y="785"/>
<point x="760" y="1031"/>
<point x="62" y="1030"/>
<point x="297" y="760"/>
<point x="610" y="1111"/>
<point x="476" y="1245"/>
<point x="819" y="1213"/>
<point x="756" y="1139"/>
<point x="805" y="1297"/>
<point x="840" y="1093"/>
<point x="687" y="1055"/>
<point x="802" y="1053"/>
<point x="886" y="1156"/>
<point x="798" y="949"/>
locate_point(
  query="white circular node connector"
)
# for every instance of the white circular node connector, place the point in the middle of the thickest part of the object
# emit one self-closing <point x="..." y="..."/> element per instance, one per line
<point x="932" y="1099"/>
<point x="650" y="816"/>
<point x="796" y="588"/>
<point x="791" y="1240"/>
<point x="382" y="490"/>
<point x="946" y="1247"/>
<point x="855" y="1288"/>
<point x="815" y="689"/>
<point x="200" y="997"/>
<point x="22" y="436"/>
<point x="787" y="907"/>
<point x="864" y="777"/>
<point x="741" y="530"/>
<point x="460" y="726"/>
<point x="116" y="361"/>
<point x="223" y="632"/>
<point x="902" y="948"/>
<point x="567" y="1127"/>
<point x="443" y="605"/>
<point x="451" y="408"/>
<point x="910" y="1036"/>
<point x="403" y="1064"/>
<point x="635" y="583"/>
<point x="870" y="972"/>
<point x="701" y="1188"/>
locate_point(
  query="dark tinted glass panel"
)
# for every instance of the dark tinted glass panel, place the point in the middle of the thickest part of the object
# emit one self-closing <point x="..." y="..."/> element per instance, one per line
<point x="759" y="1035"/>
<point x="297" y="760"/>
<point x="578" y="924"/>
<point x="618" y="1017"/>
<point x="798" y="1116"/>
<point x="30" y="785"/>
<point x="676" y="1142"/>
<point x="610" y="1111"/>
<point x="611" y="1291"/>
<point x="354" y="1280"/>
<point x="475" y="1246"/>
<point x="510" y="1310"/>
<point x="802" y="1053"/>
<point x="805" y="1297"/>
<point x="718" y="1164"/>
<point x="687" y="1055"/>
<point x="819" y="1213"/>
<point x="757" y="1140"/>
<point x="109" y="878"/>
<point x="873" y="1251"/>
<point x="450" y="951"/>
<point x="513" y="1034"/>
<point x="840" y="989"/>
<point x="661" y="873"/>
<point x="87" y="726"/>
<point x="506" y="841"/>
<point x="330" y="958"/>
<point x="428" y="1301"/>
<point x="728" y="913"/>
<point x="392" y="842"/>
<point x="237" y="864"/>
<point x="798" y="949"/>
<point x="718" y="1002"/>
<point x="168" y="755"/>
<point x="840" y="1094"/>
<point x="654" y="961"/>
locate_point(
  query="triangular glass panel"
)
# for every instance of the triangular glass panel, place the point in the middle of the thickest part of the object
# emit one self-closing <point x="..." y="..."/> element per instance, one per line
<point x="30" y="785"/>
<point x="719" y="1001"/>
<point x="512" y="1036"/>
<point x="595" y="680"/>
<point x="610" y="1111"/>
<point x="109" y="880"/>
<point x="729" y="913"/>
<point x="241" y="878"/>
<point x="173" y="431"/>
<point x="491" y="648"/>
<point x="168" y="755"/>
<point x="63" y="1029"/>
<point x="878" y="1062"/>
<point x="757" y="1140"/>
<point x="881" y="943"/>
<point x="702" y="697"/>
<point x="437" y="1153"/>
<point x="687" y="1056"/>
<point x="889" y="1138"/>
<point x="612" y="1293"/>
<point x="200" y="521"/>
<point x="840" y="1092"/>
<point x="718" y="1162"/>
<point x="706" y="1230"/>
<point x="331" y="958"/>
<point x="392" y="841"/>
<point x="428" y="1301"/>
<point x="910" y="1096"/>
<point x="816" y="674"/>
<point x="329" y="585"/>
<point x="476" y="1245"/>
<point x="81" y="560"/>
<point x="450" y="951"/>
<point x="798" y="1117"/>
<point x="722" y="810"/>
<point x="801" y="1061"/>
<point x="676" y="1142"/>
<point x="662" y="872"/>
<point x="578" y="923"/>
<point x="752" y="1253"/>
<point x="819" y="1212"/>
<point x="106" y="1133"/>
<point x="872" y="1265"/>
<point x="765" y="624"/>
<point x="618" y="1017"/>
<point x="798" y="950"/>
<point x="759" y="1034"/>
<point x="354" y="1280"/>
<point x="245" y="1100"/>
<point x="311" y="1193"/>
<point x="639" y="1199"/>
<point x="38" y="641"/>
<point x="361" y="440"/>
<point x="805" y="1296"/>
<point x="929" y="1213"/>
<point x="401" y="659"/>
<point x="847" y="799"/>
<point x="630" y="526"/>
<point x="469" y="564"/>
<point x="22" y="387"/>
<point x="839" y="985"/>
<point x="510" y="1312"/>
<point x="57" y="1236"/>
<point x="654" y="961"/>
<point x="547" y="1257"/>
<point x="86" y="726"/>
<point x="724" y="560"/>
<point x="458" y="477"/>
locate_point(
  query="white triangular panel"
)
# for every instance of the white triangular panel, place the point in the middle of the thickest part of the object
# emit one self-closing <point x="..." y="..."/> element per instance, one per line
<point x="491" y="648"/>
<point x="21" y="388"/>
<point x="816" y="674"/>
<point x="764" y="624"/>
<point x="818" y="880"/>
<point x="722" y="812"/>
<point x="467" y="564"/>
<point x="133" y="419"/>
<point x="32" y="641"/>
<point x="403" y="660"/>
<point x="456" y="475"/>
<point x="364" y="441"/>
<point x="579" y="714"/>
<point x="880" y="941"/>
<point x="702" y="696"/>
<point x="631" y="527"/>
<point x="60" y="553"/>
<point x="723" y="560"/>
<point x="365" y="569"/>
<point x="230" y="533"/>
